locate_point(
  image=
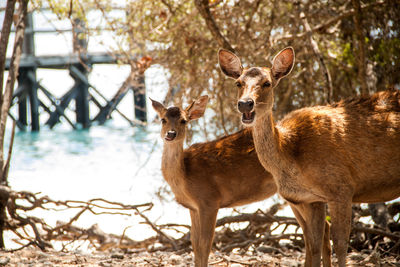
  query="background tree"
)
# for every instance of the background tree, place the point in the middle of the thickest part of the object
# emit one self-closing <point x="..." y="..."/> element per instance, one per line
<point x="343" y="48"/>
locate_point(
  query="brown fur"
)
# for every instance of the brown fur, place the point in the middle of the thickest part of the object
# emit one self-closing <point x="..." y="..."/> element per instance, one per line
<point x="358" y="134"/>
<point x="339" y="154"/>
<point x="233" y="170"/>
<point x="212" y="175"/>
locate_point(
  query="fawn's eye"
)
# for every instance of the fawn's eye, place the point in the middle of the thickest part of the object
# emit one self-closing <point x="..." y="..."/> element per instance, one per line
<point x="238" y="84"/>
<point x="266" y="84"/>
<point x="183" y="121"/>
<point x="163" y="121"/>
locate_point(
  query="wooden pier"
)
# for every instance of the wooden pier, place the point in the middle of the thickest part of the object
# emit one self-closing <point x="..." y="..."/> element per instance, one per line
<point x="79" y="65"/>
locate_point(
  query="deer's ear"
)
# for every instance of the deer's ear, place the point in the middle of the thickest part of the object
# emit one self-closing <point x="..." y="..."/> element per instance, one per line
<point x="229" y="64"/>
<point x="158" y="107"/>
<point x="283" y="63"/>
<point x="197" y="108"/>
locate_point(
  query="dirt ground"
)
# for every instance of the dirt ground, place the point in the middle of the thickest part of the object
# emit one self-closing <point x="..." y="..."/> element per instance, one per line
<point x="35" y="257"/>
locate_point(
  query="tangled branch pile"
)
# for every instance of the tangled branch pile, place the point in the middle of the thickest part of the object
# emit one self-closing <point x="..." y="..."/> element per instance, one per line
<point x="243" y="233"/>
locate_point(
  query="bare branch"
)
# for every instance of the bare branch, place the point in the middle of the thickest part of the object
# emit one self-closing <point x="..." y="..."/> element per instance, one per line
<point x="376" y="232"/>
<point x="362" y="78"/>
<point x="328" y="23"/>
<point x="204" y="9"/>
<point x="10" y="148"/>
<point x="318" y="54"/>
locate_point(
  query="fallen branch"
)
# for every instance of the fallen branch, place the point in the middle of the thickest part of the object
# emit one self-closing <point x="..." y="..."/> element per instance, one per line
<point x="18" y="220"/>
<point x="376" y="232"/>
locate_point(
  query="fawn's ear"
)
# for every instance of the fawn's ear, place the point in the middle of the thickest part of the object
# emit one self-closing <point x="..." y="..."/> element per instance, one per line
<point x="229" y="64"/>
<point x="158" y="107"/>
<point x="197" y="108"/>
<point x="283" y="63"/>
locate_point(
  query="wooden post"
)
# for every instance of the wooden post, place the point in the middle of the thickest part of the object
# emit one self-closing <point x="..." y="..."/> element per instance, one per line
<point x="82" y="101"/>
<point x="28" y="49"/>
<point x="82" y="97"/>
<point x="139" y="97"/>
<point x="22" y="111"/>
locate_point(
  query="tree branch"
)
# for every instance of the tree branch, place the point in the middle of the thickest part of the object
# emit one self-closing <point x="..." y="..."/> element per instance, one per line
<point x="361" y="47"/>
<point x="376" y="232"/>
<point x="204" y="9"/>
<point x="327" y="23"/>
<point x="318" y="54"/>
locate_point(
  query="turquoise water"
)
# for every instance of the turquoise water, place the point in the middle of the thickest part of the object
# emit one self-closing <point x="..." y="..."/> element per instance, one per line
<point x="83" y="159"/>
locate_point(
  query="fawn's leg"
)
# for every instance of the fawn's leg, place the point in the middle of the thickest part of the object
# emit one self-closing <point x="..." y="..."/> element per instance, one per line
<point x="202" y="234"/>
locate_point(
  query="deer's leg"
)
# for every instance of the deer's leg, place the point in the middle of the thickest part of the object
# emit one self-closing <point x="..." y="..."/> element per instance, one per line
<point x="194" y="235"/>
<point x="202" y="234"/>
<point x="341" y="226"/>
<point x="301" y="220"/>
<point x="326" y="246"/>
<point x="313" y="224"/>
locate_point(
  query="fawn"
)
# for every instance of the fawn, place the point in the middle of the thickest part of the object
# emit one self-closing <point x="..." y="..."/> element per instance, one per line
<point x="212" y="175"/>
<point x="336" y="154"/>
<point x="208" y="176"/>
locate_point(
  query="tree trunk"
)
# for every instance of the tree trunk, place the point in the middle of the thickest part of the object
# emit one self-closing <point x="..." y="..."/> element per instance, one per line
<point x="6" y="97"/>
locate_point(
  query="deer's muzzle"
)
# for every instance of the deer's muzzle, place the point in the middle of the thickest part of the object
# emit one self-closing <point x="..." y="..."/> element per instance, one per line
<point x="170" y="135"/>
<point x="246" y="107"/>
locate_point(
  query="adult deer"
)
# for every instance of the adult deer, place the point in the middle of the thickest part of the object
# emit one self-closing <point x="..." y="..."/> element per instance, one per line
<point x="212" y="175"/>
<point x="339" y="154"/>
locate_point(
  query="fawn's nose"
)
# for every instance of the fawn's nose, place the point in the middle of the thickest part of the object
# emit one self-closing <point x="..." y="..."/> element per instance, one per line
<point x="170" y="135"/>
<point x="245" y="105"/>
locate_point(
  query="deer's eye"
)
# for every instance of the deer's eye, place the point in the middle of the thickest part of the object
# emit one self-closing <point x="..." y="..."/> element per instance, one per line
<point x="266" y="84"/>
<point x="238" y="84"/>
<point x="183" y="122"/>
<point x="163" y="121"/>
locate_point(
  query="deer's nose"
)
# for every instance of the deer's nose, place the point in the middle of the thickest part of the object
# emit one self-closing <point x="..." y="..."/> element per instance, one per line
<point x="170" y="135"/>
<point x="245" y="105"/>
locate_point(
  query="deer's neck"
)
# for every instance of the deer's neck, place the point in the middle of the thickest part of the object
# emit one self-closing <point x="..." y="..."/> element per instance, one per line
<point x="269" y="142"/>
<point x="172" y="162"/>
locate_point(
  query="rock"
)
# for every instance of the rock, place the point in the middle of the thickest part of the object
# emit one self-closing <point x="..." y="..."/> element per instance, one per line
<point x="290" y="263"/>
<point x="47" y="264"/>
<point x="42" y="255"/>
<point x="175" y="259"/>
<point x="119" y="256"/>
<point x="236" y="265"/>
<point x="4" y="261"/>
<point x="188" y="258"/>
<point x="357" y="257"/>
<point x="266" y="249"/>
